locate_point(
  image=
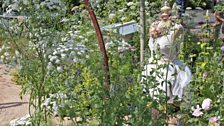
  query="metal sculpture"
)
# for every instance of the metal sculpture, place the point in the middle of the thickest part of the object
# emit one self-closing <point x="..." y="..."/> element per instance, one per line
<point x="100" y="43"/>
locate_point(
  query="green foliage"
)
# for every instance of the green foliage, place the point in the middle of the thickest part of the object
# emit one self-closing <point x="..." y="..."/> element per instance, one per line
<point x="219" y="7"/>
<point x="61" y="67"/>
<point x="201" y="3"/>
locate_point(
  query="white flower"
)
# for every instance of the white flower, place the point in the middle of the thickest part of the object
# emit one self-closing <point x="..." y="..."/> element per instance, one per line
<point x="57" y="61"/>
<point x="55" y="52"/>
<point x="7" y="48"/>
<point x="121" y="11"/>
<point x="76" y="32"/>
<point x="63" y="56"/>
<point x="111" y="16"/>
<point x="59" y="69"/>
<point x="7" y="59"/>
<point x="130" y="3"/>
<point x="72" y="53"/>
<point x="53" y="58"/>
<point x="2" y="57"/>
<point x="76" y="60"/>
<point x="79" y="53"/>
<point x="81" y="37"/>
<point x="17" y="53"/>
<point x="55" y="108"/>
<point x="6" y="54"/>
<point x="197" y="112"/>
<point x="49" y="66"/>
<point x="21" y="121"/>
<point x="47" y="102"/>
<point x="49" y="56"/>
<point x="62" y="50"/>
<point x="146" y="3"/>
<point x="123" y="18"/>
<point x="63" y="39"/>
<point x="207" y="104"/>
<point x="132" y="7"/>
<point x="3" y="46"/>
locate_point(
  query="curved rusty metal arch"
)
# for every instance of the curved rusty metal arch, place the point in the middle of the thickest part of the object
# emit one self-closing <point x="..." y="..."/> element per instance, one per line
<point x="100" y="43"/>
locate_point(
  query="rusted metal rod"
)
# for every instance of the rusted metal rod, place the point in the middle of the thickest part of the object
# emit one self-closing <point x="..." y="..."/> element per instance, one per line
<point x="100" y="43"/>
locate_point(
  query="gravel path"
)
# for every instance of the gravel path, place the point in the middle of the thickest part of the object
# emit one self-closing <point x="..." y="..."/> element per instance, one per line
<point x="11" y="106"/>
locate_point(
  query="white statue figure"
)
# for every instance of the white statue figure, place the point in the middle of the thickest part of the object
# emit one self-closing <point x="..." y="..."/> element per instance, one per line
<point x="165" y="38"/>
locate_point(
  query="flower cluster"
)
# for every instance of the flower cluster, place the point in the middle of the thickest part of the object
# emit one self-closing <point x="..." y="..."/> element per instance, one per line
<point x="206" y="105"/>
<point x="55" y="102"/>
<point x="7" y="54"/>
<point x="23" y="121"/>
<point x="66" y="51"/>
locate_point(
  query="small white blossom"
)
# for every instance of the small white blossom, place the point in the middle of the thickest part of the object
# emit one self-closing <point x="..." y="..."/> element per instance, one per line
<point x="79" y="53"/>
<point x="55" y="52"/>
<point x="2" y="57"/>
<point x="6" y="54"/>
<point x="76" y="60"/>
<point x="47" y="102"/>
<point x="53" y="58"/>
<point x="49" y="56"/>
<point x="130" y="3"/>
<point x="123" y="18"/>
<point x="59" y="69"/>
<point x="146" y="3"/>
<point x="121" y="11"/>
<point x="72" y="53"/>
<point x="132" y="7"/>
<point x="63" y="39"/>
<point x="57" y="61"/>
<point x="62" y="50"/>
<point x="111" y="16"/>
<point x="197" y="112"/>
<point x="49" y="66"/>
<point x="17" y="53"/>
<point x="63" y="56"/>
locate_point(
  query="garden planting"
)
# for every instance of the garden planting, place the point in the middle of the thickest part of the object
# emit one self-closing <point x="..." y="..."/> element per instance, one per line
<point x="74" y="72"/>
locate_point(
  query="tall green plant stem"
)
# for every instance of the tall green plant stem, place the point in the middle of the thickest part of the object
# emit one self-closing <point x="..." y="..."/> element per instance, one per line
<point x="166" y="117"/>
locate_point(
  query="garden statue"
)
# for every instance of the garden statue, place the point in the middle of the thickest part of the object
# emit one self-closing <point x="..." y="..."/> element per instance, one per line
<point x="165" y="38"/>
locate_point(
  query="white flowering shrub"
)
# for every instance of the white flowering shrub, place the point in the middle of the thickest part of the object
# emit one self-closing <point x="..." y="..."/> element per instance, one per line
<point x="8" y="55"/>
<point x="67" y="51"/>
<point x="24" y="121"/>
<point x="123" y="10"/>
